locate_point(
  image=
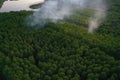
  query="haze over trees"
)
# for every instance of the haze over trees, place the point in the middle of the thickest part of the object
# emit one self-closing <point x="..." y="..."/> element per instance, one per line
<point x="60" y="51"/>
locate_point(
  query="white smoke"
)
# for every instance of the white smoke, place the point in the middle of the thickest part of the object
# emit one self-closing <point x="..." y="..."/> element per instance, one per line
<point x="55" y="10"/>
<point x="99" y="6"/>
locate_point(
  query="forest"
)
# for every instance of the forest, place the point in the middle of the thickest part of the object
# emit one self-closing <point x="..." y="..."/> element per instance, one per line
<point x="60" y="51"/>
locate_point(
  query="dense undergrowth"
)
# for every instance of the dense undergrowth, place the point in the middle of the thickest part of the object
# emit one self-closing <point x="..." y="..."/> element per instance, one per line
<point x="59" y="51"/>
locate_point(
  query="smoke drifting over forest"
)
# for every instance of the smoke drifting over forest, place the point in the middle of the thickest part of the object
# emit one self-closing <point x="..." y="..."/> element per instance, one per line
<point x="100" y="7"/>
<point x="55" y="10"/>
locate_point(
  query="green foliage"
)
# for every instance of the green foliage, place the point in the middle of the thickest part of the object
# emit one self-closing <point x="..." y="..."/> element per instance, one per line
<point x="1" y="2"/>
<point x="80" y="17"/>
<point x="58" y="51"/>
<point x="112" y="23"/>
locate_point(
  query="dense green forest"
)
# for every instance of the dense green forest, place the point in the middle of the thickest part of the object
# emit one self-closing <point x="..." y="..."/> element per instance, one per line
<point x="60" y="51"/>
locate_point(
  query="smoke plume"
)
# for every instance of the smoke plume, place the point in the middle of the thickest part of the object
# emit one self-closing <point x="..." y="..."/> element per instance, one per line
<point x="99" y="6"/>
<point x="55" y="10"/>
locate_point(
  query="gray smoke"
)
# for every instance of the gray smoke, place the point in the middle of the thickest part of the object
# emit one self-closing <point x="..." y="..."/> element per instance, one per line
<point x="55" y="10"/>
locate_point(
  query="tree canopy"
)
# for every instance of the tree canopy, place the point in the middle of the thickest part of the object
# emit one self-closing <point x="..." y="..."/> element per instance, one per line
<point x="59" y="51"/>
